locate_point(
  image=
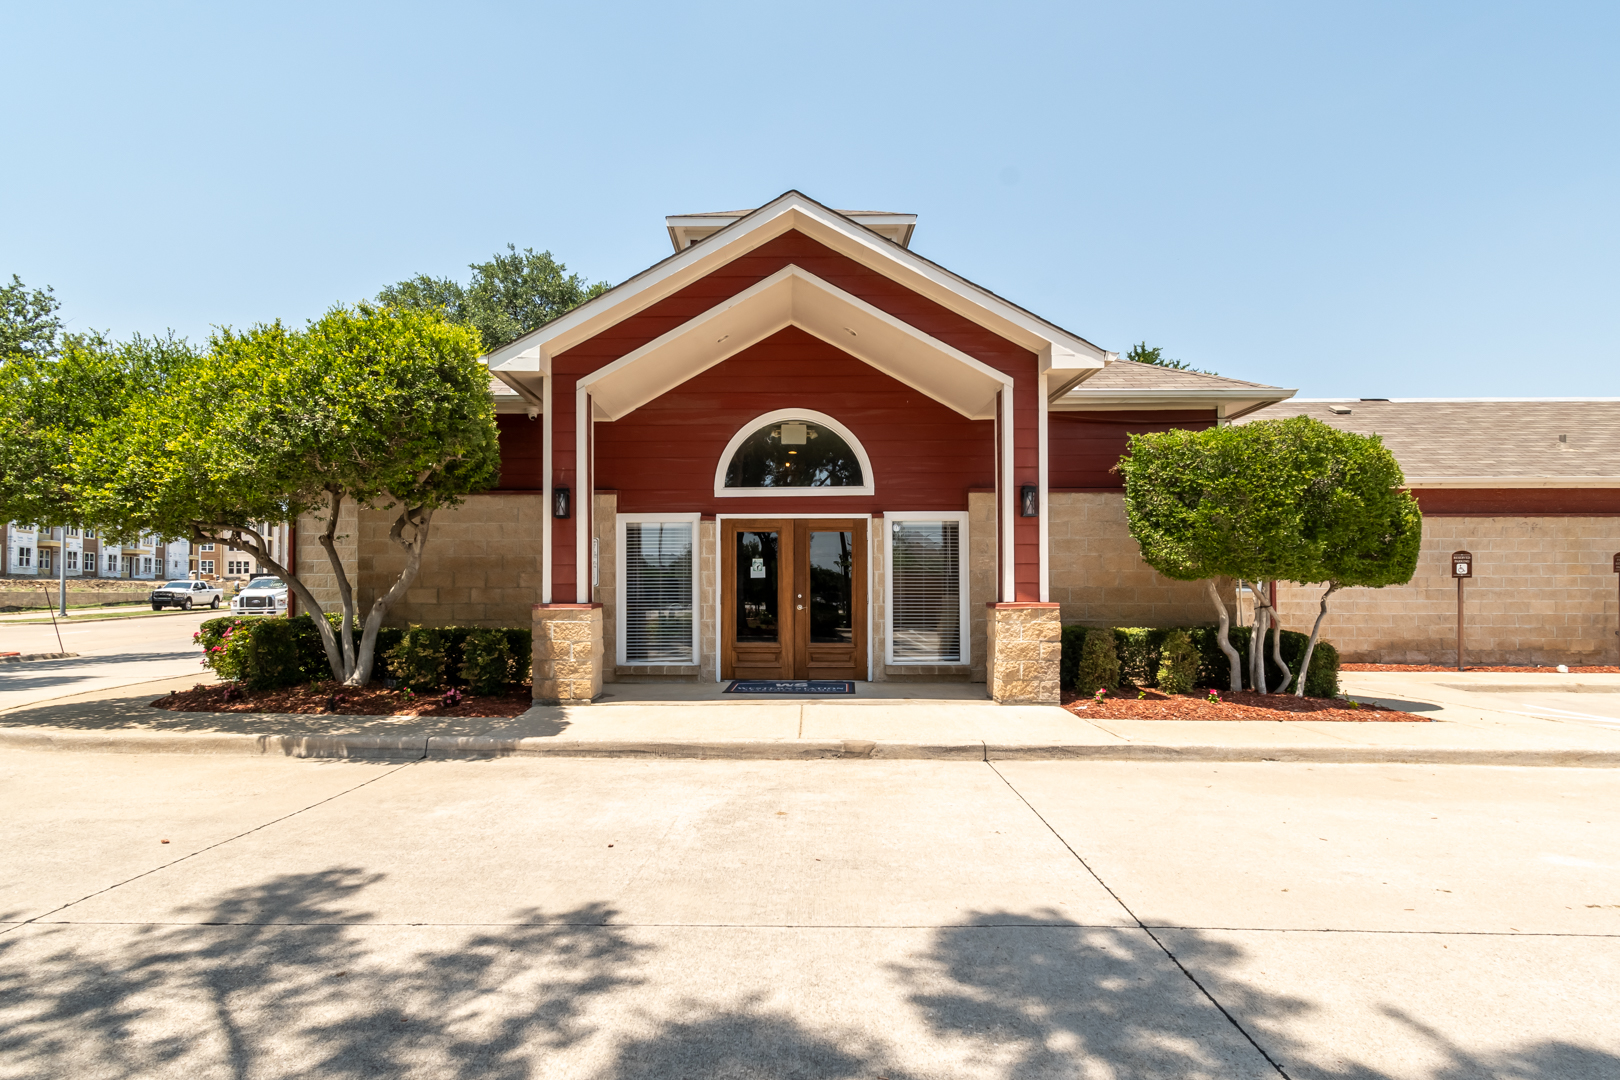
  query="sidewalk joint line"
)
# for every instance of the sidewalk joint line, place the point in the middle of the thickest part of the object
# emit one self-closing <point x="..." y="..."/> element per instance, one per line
<point x="1143" y="926"/>
<point x="210" y="847"/>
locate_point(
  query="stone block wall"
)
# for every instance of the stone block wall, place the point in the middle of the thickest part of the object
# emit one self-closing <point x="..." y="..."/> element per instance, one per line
<point x="1544" y="592"/>
<point x="1024" y="647"/>
<point x="314" y="568"/>
<point x="481" y="566"/>
<point x="1097" y="572"/>
<point x="981" y="542"/>
<point x="568" y="653"/>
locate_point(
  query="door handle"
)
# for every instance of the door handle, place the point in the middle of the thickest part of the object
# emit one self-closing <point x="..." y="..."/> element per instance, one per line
<point x="799" y="607"/>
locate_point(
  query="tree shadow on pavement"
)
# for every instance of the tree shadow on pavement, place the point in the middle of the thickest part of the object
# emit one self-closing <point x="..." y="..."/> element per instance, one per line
<point x="294" y="976"/>
<point x="1054" y="999"/>
<point x="287" y="977"/>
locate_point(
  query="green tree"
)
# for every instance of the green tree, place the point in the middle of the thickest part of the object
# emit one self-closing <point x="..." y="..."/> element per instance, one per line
<point x="1272" y="500"/>
<point x="509" y="295"/>
<point x="29" y="325"/>
<point x="1209" y="504"/>
<point x="1365" y="530"/>
<point x="50" y="408"/>
<point x="382" y="408"/>
<point x="1141" y="354"/>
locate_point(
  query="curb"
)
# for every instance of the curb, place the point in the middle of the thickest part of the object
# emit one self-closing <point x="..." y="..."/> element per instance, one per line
<point x="479" y="747"/>
<point x="16" y="658"/>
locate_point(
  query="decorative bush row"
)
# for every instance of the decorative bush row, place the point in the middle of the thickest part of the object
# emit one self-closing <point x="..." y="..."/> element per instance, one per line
<point x="263" y="652"/>
<point x="1096" y="658"/>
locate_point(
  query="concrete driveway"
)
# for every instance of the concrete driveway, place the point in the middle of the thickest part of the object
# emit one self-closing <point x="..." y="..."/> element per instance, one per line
<point x="112" y="653"/>
<point x="613" y="919"/>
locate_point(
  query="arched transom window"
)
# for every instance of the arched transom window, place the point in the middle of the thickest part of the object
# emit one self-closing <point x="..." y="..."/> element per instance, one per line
<point x="794" y="452"/>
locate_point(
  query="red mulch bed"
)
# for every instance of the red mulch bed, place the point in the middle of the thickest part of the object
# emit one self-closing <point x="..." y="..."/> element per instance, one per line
<point x="317" y="697"/>
<point x="1598" y="670"/>
<point x="1123" y="704"/>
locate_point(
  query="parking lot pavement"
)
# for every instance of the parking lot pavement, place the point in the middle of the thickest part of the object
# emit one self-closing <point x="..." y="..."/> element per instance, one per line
<point x="620" y="918"/>
<point x="112" y="653"/>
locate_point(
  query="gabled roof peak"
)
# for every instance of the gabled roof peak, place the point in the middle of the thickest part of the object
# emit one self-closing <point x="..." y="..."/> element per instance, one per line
<point x="687" y="229"/>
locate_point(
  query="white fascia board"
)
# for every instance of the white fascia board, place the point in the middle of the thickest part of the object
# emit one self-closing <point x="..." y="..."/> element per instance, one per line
<point x="788" y="212"/>
<point x="1512" y="482"/>
<point x="794" y="296"/>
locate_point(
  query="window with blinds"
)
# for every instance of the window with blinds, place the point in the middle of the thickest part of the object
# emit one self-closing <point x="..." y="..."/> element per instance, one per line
<point x="926" y="574"/>
<point x="658" y="614"/>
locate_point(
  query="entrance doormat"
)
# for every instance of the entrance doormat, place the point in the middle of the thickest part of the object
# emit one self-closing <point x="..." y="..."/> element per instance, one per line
<point x="789" y="686"/>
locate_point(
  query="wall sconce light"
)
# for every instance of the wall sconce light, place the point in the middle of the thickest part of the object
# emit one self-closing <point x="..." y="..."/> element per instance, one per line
<point x="1029" y="501"/>
<point x="559" y="502"/>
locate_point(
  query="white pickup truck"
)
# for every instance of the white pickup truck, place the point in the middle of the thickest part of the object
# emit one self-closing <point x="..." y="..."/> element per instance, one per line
<point x="262" y="596"/>
<point x="186" y="595"/>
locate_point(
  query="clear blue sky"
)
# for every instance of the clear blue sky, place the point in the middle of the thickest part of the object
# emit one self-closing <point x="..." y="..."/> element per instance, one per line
<point x="1361" y="199"/>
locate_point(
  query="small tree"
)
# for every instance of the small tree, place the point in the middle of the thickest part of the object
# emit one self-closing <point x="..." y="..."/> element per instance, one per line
<point x="1367" y="531"/>
<point x="1223" y="502"/>
<point x="1272" y="500"/>
<point x="1140" y="353"/>
<point x="382" y="408"/>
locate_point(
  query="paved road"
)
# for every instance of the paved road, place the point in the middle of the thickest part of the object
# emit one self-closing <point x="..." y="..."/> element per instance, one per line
<point x="617" y="919"/>
<point x="115" y="652"/>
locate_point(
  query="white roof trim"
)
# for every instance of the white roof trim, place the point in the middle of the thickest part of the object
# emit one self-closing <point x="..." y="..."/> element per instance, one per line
<point x="788" y="212"/>
<point x="795" y="297"/>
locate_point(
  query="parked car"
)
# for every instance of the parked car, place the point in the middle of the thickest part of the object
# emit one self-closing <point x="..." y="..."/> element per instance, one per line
<point x="186" y="595"/>
<point x="261" y="596"/>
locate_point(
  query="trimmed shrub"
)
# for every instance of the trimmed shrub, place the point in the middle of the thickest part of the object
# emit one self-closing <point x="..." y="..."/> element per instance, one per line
<point x="1178" y="663"/>
<point x="1099" y="664"/>
<point x="419" y="661"/>
<point x="1322" y="681"/>
<point x="487" y="661"/>
<point x="265" y="651"/>
<point x="1074" y="639"/>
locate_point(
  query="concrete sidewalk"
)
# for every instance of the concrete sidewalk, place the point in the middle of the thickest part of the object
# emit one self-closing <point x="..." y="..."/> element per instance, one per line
<point x="883" y="721"/>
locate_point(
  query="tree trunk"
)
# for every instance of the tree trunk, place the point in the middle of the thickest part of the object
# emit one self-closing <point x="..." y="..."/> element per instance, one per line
<point x="1276" y="640"/>
<point x="1310" y="646"/>
<point x="1222" y="633"/>
<point x="344" y="670"/>
<point x="417" y="521"/>
<point x="249" y="540"/>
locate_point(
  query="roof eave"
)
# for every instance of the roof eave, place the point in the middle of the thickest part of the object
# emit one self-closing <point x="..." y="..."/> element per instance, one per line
<point x="794" y="209"/>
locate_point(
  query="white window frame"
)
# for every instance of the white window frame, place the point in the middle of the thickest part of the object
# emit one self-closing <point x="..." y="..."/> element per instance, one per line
<point x="621" y="584"/>
<point x="205" y="566"/>
<point x="962" y="560"/>
<point x="721" y="491"/>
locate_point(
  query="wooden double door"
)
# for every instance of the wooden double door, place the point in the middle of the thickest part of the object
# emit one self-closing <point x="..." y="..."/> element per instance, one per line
<point x="793" y="598"/>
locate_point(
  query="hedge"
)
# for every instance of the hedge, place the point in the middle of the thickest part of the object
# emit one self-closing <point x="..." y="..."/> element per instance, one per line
<point x="266" y="651"/>
<point x="1138" y="650"/>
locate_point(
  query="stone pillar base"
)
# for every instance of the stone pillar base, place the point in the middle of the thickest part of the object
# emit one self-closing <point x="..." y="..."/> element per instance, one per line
<point x="567" y="653"/>
<point x="1025" y="642"/>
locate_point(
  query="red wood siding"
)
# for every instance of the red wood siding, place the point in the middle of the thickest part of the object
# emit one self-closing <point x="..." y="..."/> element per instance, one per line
<point x="869" y="285"/>
<point x="1084" y="447"/>
<point x="1510" y="502"/>
<point x="662" y="457"/>
<point x="523" y="453"/>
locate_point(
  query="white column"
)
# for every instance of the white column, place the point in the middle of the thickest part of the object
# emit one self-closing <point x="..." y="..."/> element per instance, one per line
<point x="581" y="497"/>
<point x="545" y="464"/>
<point x="1007" y="494"/>
<point x="1041" y="505"/>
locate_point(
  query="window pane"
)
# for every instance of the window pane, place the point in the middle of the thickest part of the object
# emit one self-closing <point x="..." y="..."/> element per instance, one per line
<point x="658" y="592"/>
<point x="927" y="617"/>
<point x="794" y="453"/>
<point x="832" y="586"/>
<point x="756" y="586"/>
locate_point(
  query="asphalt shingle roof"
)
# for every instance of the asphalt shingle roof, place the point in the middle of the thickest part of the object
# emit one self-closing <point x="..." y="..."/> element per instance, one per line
<point x="1130" y="375"/>
<point x="1439" y="439"/>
